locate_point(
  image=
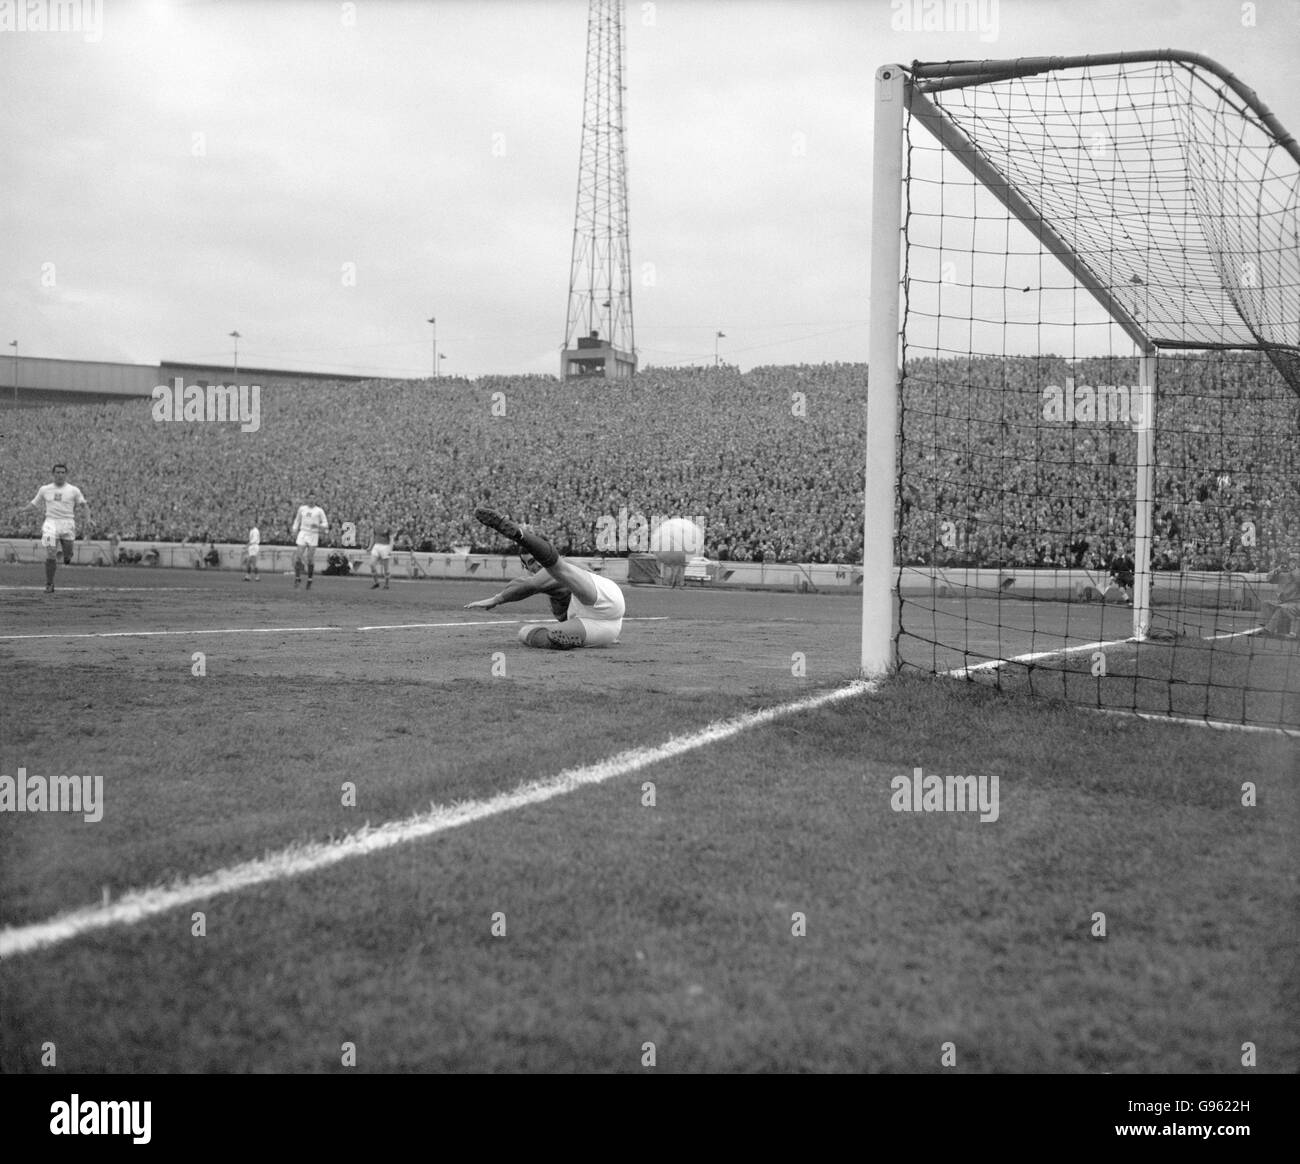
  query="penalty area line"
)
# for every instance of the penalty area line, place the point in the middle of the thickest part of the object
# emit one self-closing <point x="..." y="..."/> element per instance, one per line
<point x="115" y="589"/>
<point x="283" y="630"/>
<point x="485" y="622"/>
<point x="139" y="904"/>
<point x="252" y="630"/>
<point x="237" y="630"/>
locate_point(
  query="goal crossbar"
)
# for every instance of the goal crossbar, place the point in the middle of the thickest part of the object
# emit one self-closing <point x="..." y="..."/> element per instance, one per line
<point x="1227" y="319"/>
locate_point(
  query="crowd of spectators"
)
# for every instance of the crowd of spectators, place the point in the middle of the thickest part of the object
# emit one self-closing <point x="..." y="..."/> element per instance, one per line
<point x="994" y="476"/>
<point x="772" y="459"/>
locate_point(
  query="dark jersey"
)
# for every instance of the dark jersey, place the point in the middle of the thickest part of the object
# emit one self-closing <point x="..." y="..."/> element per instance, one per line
<point x="560" y="603"/>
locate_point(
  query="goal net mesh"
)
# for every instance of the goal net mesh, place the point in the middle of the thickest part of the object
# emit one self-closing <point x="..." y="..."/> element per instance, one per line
<point x="1063" y="219"/>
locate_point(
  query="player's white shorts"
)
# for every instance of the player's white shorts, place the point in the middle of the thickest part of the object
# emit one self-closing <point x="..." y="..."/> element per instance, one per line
<point x="603" y="619"/>
<point x="52" y="532"/>
<point x="253" y="551"/>
<point x="381" y="553"/>
<point x="308" y="539"/>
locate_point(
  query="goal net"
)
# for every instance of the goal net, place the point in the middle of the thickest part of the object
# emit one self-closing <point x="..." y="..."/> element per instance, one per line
<point x="1084" y="402"/>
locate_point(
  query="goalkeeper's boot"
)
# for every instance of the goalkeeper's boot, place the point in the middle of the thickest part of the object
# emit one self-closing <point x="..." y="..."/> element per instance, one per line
<point x="539" y="547"/>
<point x="553" y="639"/>
<point x="563" y="640"/>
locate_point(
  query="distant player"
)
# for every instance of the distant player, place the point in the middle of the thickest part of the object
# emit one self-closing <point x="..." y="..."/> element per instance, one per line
<point x="1282" y="618"/>
<point x="251" y="554"/>
<point x="381" y="553"/>
<point x="1123" y="573"/>
<point x="308" y="524"/>
<point x="59" y="500"/>
<point x="590" y="608"/>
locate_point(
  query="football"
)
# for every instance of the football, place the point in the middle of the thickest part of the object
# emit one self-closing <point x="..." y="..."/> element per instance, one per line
<point x="676" y="537"/>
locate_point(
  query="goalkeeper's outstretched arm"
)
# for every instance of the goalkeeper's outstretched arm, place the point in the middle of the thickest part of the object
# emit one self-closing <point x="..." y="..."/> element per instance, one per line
<point x="518" y="589"/>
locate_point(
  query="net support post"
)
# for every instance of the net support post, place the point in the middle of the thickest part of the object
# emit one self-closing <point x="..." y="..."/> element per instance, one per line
<point x="879" y="576"/>
<point x="1145" y="494"/>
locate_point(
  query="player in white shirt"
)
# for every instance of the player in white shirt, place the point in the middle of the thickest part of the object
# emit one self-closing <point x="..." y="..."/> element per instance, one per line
<point x="381" y="553"/>
<point x="590" y="608"/>
<point x="308" y="523"/>
<point x="250" y="555"/>
<point x="59" y="501"/>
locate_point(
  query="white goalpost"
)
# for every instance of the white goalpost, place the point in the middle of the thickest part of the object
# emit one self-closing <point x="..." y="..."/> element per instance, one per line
<point x="879" y="575"/>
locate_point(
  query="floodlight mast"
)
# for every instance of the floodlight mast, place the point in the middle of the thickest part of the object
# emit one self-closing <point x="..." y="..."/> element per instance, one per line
<point x="599" y="338"/>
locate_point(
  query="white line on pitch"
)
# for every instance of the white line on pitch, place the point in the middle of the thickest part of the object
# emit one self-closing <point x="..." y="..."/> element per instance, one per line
<point x="277" y="630"/>
<point x="1254" y="630"/>
<point x="426" y="625"/>
<point x="961" y="672"/>
<point x="116" y="589"/>
<point x="234" y="630"/>
<point x="137" y="905"/>
<point x="489" y="622"/>
<point x="1181" y="720"/>
<point x="1221" y="725"/>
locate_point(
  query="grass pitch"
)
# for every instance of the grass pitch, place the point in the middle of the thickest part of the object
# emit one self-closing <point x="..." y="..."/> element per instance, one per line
<point x="754" y="904"/>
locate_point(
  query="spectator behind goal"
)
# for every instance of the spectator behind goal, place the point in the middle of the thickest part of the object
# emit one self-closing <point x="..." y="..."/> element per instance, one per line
<point x="1282" y="618"/>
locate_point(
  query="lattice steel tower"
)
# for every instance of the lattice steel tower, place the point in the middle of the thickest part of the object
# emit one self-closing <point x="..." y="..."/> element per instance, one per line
<point x="599" y="315"/>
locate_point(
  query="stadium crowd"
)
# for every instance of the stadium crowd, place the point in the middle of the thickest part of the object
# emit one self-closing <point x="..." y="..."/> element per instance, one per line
<point x="771" y="458"/>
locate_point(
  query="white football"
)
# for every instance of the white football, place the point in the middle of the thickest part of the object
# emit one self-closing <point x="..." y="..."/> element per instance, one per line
<point x="677" y="535"/>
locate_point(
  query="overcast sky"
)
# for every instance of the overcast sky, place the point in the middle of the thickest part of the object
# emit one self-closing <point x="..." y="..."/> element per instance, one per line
<point x="193" y="167"/>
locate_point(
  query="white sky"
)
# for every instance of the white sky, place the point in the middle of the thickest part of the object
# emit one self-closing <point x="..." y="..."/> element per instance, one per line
<point x="324" y="143"/>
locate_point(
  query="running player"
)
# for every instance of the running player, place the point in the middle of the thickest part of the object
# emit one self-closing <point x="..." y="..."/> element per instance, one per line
<point x="59" y="500"/>
<point x="380" y="555"/>
<point x="590" y="608"/>
<point x="308" y="523"/>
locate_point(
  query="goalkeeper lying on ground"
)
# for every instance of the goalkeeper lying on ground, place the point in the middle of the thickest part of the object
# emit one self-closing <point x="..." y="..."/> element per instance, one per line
<point x="589" y="607"/>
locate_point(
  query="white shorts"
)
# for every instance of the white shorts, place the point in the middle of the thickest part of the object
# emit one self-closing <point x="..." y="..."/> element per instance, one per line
<point x="381" y="553"/>
<point x="603" y="619"/>
<point x="52" y="532"/>
<point x="253" y="551"/>
<point x="308" y="539"/>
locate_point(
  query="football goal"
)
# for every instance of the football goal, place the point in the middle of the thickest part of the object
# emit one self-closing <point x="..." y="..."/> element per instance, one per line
<point x="1083" y="414"/>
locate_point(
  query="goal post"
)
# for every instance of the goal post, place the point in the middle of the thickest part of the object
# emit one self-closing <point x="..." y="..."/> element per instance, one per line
<point x="1084" y="371"/>
<point x="879" y="574"/>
